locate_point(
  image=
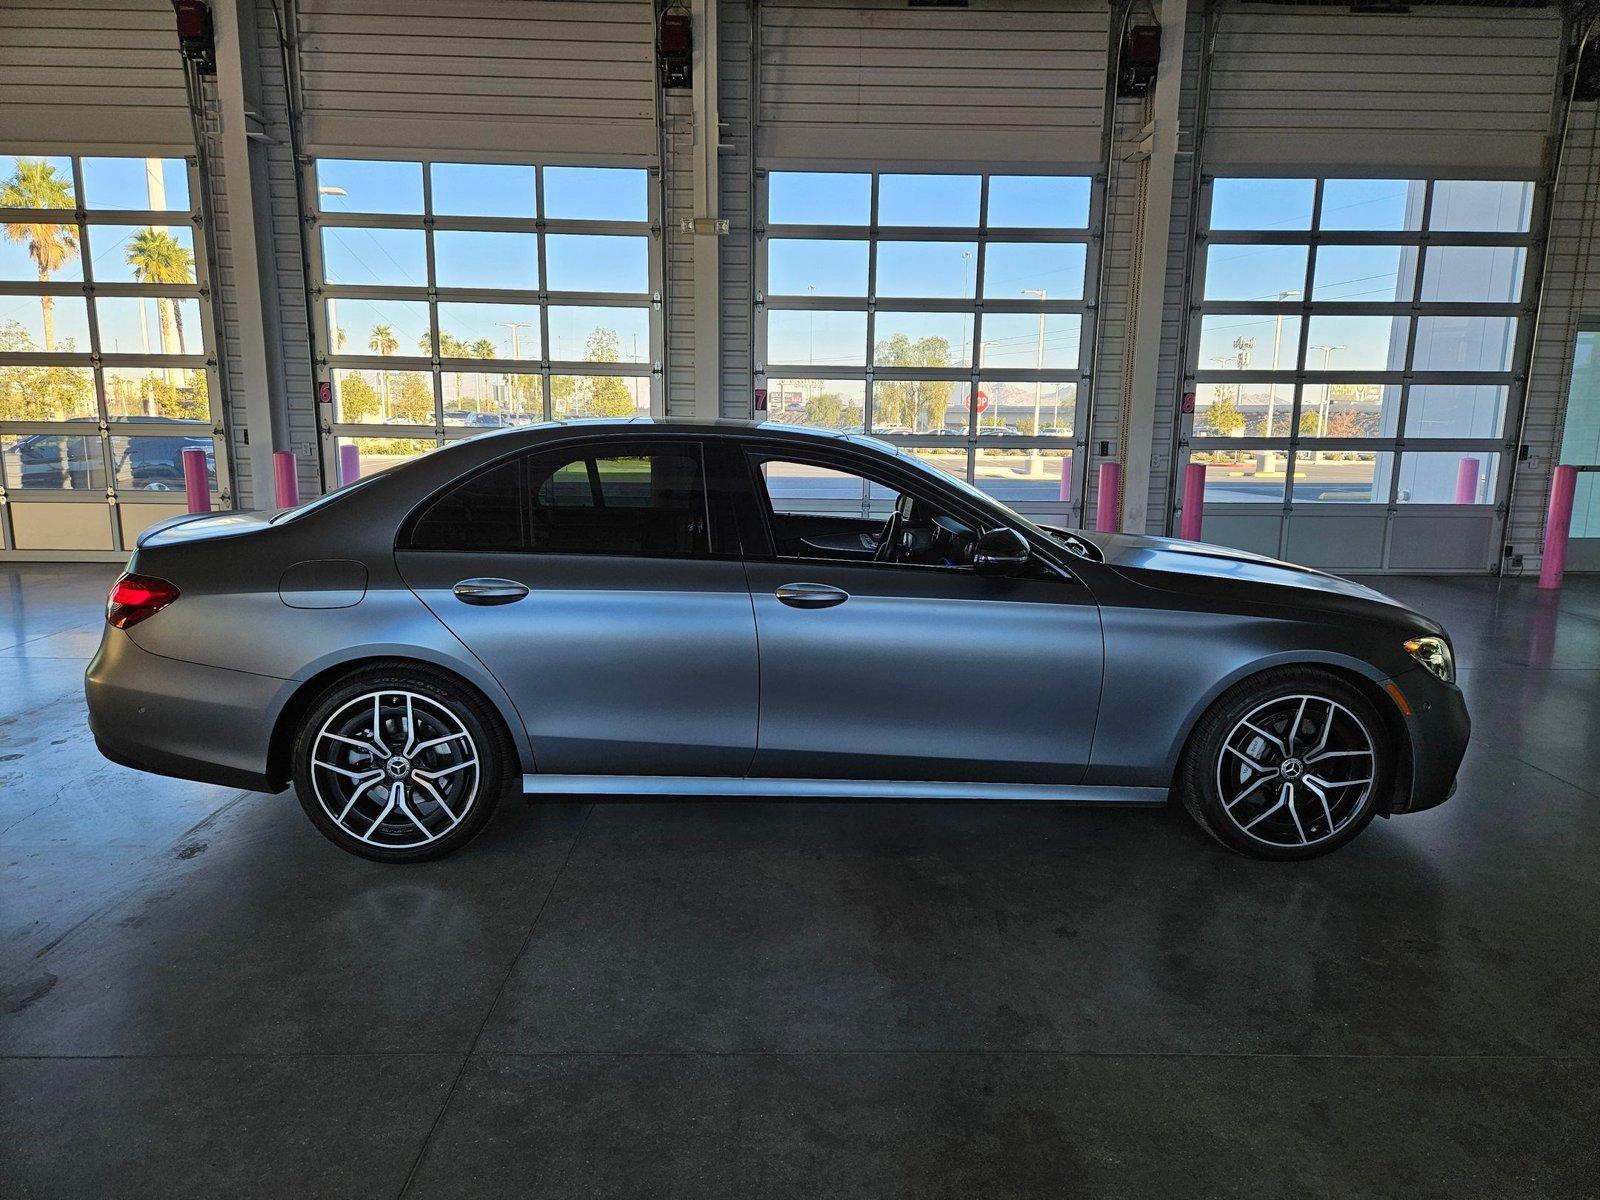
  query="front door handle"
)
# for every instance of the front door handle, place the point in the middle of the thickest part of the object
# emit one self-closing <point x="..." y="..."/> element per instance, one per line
<point x="489" y="591"/>
<point x="811" y="595"/>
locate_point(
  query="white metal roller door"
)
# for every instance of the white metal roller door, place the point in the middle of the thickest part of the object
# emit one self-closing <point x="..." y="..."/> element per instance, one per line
<point x="97" y="75"/>
<point x="1442" y="88"/>
<point x="1019" y="81"/>
<point x="482" y="77"/>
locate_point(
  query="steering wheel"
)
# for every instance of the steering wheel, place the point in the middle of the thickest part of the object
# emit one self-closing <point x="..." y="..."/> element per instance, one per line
<point x="888" y="540"/>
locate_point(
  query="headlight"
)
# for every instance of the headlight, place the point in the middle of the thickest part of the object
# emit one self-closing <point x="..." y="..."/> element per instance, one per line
<point x="1434" y="653"/>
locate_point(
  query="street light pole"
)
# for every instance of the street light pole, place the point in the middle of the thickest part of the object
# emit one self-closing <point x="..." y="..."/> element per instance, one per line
<point x="1323" y="402"/>
<point x="1035" y="460"/>
<point x="516" y="346"/>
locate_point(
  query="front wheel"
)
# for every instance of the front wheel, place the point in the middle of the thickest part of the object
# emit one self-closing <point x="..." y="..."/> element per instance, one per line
<point x="399" y="764"/>
<point x="1287" y="765"/>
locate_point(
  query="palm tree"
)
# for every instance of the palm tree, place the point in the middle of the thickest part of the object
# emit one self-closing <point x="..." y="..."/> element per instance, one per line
<point x="383" y="341"/>
<point x="158" y="257"/>
<point x="52" y="246"/>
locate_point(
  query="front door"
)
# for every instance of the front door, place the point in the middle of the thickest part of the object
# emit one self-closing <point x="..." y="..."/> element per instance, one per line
<point x="584" y="577"/>
<point x="901" y="661"/>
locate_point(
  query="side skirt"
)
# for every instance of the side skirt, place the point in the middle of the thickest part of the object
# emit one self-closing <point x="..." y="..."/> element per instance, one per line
<point x="832" y="789"/>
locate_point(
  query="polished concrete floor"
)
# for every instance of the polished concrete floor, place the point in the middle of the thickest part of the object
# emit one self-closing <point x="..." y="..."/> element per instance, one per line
<point x="201" y="997"/>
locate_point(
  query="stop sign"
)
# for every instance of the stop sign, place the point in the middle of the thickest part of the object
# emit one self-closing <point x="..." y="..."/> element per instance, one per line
<point x="983" y="400"/>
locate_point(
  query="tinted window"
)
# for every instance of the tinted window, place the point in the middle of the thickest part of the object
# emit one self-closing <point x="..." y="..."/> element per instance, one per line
<point x="613" y="500"/>
<point x="486" y="512"/>
<point x="619" y="503"/>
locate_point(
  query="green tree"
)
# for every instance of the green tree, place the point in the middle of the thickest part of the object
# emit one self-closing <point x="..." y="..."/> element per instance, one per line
<point x="52" y="246"/>
<point x="158" y="257"/>
<point x="1225" y="419"/>
<point x="826" y="411"/>
<point x="413" y="400"/>
<point x="383" y="340"/>
<point x="30" y="393"/>
<point x="916" y="403"/>
<point x="358" y="400"/>
<point x="606" y="395"/>
<point x="1310" y="424"/>
<point x="482" y="348"/>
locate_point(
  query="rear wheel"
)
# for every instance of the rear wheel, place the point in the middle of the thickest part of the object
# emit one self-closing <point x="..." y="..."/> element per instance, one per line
<point x="400" y="765"/>
<point x="1287" y="765"/>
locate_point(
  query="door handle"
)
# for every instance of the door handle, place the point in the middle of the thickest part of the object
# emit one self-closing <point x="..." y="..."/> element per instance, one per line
<point x="811" y="595"/>
<point x="489" y="591"/>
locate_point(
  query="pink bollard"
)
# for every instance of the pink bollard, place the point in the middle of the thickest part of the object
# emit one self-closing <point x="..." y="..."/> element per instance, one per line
<point x="1467" y="481"/>
<point x="1105" y="505"/>
<point x="349" y="463"/>
<point x="1557" y="524"/>
<point x="1194" y="502"/>
<point x="1066" y="479"/>
<point x="288" y="478"/>
<point x="196" y="479"/>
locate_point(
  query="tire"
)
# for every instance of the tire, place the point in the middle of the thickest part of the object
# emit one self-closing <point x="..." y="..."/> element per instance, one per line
<point x="447" y="763"/>
<point x="1287" y="765"/>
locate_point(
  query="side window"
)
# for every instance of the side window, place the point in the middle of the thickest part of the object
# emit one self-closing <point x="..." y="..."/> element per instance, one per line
<point x="618" y="499"/>
<point x="821" y="512"/>
<point x="648" y="501"/>
<point x="483" y="513"/>
<point x="798" y="488"/>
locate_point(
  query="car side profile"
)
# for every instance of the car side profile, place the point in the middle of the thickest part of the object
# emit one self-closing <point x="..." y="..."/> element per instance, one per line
<point x="660" y="609"/>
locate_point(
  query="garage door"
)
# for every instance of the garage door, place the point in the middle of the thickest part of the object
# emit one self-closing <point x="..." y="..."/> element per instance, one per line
<point x="1369" y="219"/>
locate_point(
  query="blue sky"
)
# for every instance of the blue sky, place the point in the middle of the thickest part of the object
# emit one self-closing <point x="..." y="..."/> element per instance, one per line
<point x="484" y="190"/>
<point x="117" y="183"/>
<point x="841" y="198"/>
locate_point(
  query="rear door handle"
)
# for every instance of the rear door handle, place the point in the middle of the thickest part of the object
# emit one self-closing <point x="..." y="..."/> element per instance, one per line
<point x="811" y="595"/>
<point x="489" y="591"/>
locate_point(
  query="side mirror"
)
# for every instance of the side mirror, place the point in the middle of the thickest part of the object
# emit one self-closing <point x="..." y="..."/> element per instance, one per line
<point x="1000" y="552"/>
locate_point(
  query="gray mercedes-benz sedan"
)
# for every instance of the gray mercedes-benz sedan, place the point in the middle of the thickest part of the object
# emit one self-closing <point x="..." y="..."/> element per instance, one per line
<point x="640" y="608"/>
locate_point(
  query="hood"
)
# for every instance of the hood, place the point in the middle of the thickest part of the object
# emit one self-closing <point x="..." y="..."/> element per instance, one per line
<point x="1197" y="566"/>
<point x="199" y="527"/>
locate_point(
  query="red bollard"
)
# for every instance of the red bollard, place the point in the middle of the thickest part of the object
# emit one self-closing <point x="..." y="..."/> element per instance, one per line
<point x="1194" y="502"/>
<point x="196" y="479"/>
<point x="1557" y="524"/>
<point x="288" y="478"/>
<point x="349" y="463"/>
<point x="1467" y="481"/>
<point x="1105" y="506"/>
<point x="1066" y="479"/>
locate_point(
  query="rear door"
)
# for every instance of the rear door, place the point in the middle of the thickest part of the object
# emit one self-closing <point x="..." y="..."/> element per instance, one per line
<point x="598" y="582"/>
<point x="908" y="670"/>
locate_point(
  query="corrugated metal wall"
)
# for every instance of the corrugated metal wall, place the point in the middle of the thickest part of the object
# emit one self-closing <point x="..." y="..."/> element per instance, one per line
<point x="569" y="77"/>
<point x="1431" y="88"/>
<point x="997" y="81"/>
<point x="1122" y="208"/>
<point x="737" y="162"/>
<point x="98" y="75"/>
<point x="680" y="309"/>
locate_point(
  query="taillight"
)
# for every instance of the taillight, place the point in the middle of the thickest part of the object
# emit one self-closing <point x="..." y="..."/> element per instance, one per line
<point x="135" y="597"/>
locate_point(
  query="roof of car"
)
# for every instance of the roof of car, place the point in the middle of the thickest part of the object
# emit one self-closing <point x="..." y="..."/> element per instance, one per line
<point x="672" y="425"/>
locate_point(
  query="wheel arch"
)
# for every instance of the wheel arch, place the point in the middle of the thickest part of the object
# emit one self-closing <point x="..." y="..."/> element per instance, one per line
<point x="1352" y="671"/>
<point x="304" y="692"/>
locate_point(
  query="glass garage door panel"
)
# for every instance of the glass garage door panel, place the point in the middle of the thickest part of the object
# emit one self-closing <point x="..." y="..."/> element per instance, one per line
<point x="105" y="334"/>
<point x="949" y="314"/>
<point x="1354" y="366"/>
